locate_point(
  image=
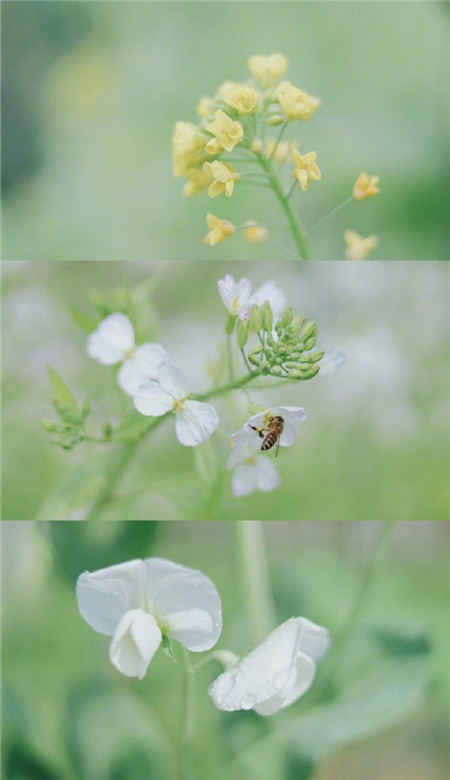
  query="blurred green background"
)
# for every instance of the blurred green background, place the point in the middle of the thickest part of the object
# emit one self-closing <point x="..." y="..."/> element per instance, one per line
<point x="374" y="446"/>
<point x="91" y="92"/>
<point x="68" y="714"/>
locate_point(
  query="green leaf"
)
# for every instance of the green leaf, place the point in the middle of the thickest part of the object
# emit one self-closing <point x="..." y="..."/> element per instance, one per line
<point x="84" y="321"/>
<point x="63" y="398"/>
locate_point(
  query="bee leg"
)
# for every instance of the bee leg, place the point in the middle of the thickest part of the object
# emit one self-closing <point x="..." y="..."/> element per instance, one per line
<point x="259" y="431"/>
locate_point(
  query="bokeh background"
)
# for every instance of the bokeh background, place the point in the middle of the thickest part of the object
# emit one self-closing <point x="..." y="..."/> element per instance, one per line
<point x="91" y="92"/>
<point x="374" y="446"/>
<point x="68" y="714"/>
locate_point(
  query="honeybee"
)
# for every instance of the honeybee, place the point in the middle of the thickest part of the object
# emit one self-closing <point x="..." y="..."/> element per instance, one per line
<point x="272" y="433"/>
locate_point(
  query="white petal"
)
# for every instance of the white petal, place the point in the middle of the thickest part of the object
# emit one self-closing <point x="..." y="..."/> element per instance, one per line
<point x="104" y="596"/>
<point x="135" y="642"/>
<point x="292" y="416"/>
<point x="333" y="359"/>
<point x="267" y="477"/>
<point x="172" y="380"/>
<point x="270" y="291"/>
<point x="111" y="341"/>
<point x="314" y="640"/>
<point x="186" y="601"/>
<point x="234" y="294"/>
<point x="242" y="452"/>
<point x="300" y="681"/>
<point x="195" y="422"/>
<point x="246" y="435"/>
<point x="152" y="400"/>
<point x="270" y="677"/>
<point x="243" y="479"/>
<point x="141" y="367"/>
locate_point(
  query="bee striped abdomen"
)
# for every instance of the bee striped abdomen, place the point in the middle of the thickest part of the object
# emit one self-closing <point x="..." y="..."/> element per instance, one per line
<point x="269" y="441"/>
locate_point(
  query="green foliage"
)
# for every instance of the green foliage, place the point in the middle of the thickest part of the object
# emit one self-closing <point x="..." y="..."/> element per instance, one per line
<point x="71" y="431"/>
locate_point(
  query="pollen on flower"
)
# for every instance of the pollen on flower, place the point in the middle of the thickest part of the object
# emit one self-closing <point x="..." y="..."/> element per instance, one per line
<point x="179" y="403"/>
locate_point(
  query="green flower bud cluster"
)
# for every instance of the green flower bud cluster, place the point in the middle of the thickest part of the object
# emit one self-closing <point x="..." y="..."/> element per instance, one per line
<point x="286" y="346"/>
<point x="70" y="431"/>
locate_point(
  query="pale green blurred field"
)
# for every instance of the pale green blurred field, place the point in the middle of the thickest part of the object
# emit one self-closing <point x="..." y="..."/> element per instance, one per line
<point x="92" y="90"/>
<point x="375" y="443"/>
<point x="68" y="714"/>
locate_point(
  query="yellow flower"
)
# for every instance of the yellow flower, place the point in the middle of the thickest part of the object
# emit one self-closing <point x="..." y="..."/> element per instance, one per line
<point x="281" y="150"/>
<point x="204" y="107"/>
<point x="358" y="248"/>
<point x="227" y="133"/>
<point x="243" y="99"/>
<point x="256" y="146"/>
<point x="224" y="89"/>
<point x="188" y="145"/>
<point x="197" y="181"/>
<point x="295" y="103"/>
<point x="254" y="233"/>
<point x="219" y="230"/>
<point x="365" y="186"/>
<point x="223" y="178"/>
<point x="267" y="71"/>
<point x="306" y="169"/>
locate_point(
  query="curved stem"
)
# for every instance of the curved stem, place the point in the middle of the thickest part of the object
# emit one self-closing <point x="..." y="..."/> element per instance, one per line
<point x="294" y="223"/>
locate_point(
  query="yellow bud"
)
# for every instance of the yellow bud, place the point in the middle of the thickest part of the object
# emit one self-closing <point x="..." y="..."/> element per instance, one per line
<point x="358" y="248"/>
<point x="267" y="71"/>
<point x="256" y="146"/>
<point x="365" y="186"/>
<point x="254" y="233"/>
<point x="274" y="120"/>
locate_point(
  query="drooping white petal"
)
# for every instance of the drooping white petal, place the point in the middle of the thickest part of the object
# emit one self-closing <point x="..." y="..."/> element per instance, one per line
<point x="112" y="340"/>
<point x="259" y="475"/>
<point x="267" y="477"/>
<point x="269" y="291"/>
<point x="134" y="643"/>
<point x="141" y="367"/>
<point x="186" y="601"/>
<point x="195" y="422"/>
<point x="104" y="596"/>
<point x="234" y="294"/>
<point x="271" y="676"/>
<point x="172" y="380"/>
<point x="152" y="400"/>
<point x="314" y="640"/>
<point x="243" y="480"/>
<point x="302" y="677"/>
<point x="333" y="359"/>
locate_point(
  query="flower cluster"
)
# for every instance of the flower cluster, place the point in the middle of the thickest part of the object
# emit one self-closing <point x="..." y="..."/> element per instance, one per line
<point x="145" y="604"/>
<point x="229" y="147"/>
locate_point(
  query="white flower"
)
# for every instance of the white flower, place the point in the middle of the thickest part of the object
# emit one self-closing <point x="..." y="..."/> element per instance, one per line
<point x="276" y="673"/>
<point x="194" y="420"/>
<point x="139" y="602"/>
<point x="238" y="299"/>
<point x="113" y="342"/>
<point x="292" y="417"/>
<point x="333" y="359"/>
<point x="251" y="470"/>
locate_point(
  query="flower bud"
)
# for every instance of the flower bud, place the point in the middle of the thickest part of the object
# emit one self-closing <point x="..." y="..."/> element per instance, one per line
<point x="297" y="323"/>
<point x="242" y="331"/>
<point x="314" y="357"/>
<point x="48" y="425"/>
<point x="310" y="343"/>
<point x="286" y="317"/>
<point x="265" y="368"/>
<point x="255" y="318"/>
<point x="256" y="350"/>
<point x="255" y="361"/>
<point x="267" y="317"/>
<point x="312" y="371"/>
<point x="256" y="146"/>
<point x="277" y="370"/>
<point x="230" y="323"/>
<point x="274" y="120"/>
<point x="310" y="329"/>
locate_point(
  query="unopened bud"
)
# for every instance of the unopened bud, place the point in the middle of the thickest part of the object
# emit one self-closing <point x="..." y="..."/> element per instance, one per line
<point x="297" y="323"/>
<point x="310" y="343"/>
<point x="255" y="318"/>
<point x="274" y="120"/>
<point x="254" y="360"/>
<point x="286" y="317"/>
<point x="312" y="371"/>
<point x="277" y="370"/>
<point x="310" y="329"/>
<point x="314" y="357"/>
<point x="267" y="317"/>
<point x="256" y="146"/>
<point x="242" y="331"/>
<point x="265" y="368"/>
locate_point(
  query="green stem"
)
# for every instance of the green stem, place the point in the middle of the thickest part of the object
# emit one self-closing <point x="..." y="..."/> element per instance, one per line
<point x="329" y="215"/>
<point x="257" y="589"/>
<point x="188" y="716"/>
<point x="278" y="139"/>
<point x="281" y="248"/>
<point x="236" y="385"/>
<point x="294" y="224"/>
<point x="244" y="358"/>
<point x="230" y="358"/>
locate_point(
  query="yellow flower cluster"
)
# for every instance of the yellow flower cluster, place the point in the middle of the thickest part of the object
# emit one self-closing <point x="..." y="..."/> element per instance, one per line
<point x="230" y="146"/>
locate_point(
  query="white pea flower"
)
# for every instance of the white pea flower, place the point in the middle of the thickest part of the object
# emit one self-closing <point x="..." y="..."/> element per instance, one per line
<point x="332" y="360"/>
<point x="274" y="674"/>
<point x="194" y="420"/>
<point x="258" y="426"/>
<point x="113" y="342"/>
<point x="251" y="471"/>
<point x="238" y="298"/>
<point x="140" y="602"/>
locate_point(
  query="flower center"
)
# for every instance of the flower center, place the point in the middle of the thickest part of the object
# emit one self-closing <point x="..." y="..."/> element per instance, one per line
<point x="235" y="306"/>
<point x="129" y="353"/>
<point x="178" y="404"/>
